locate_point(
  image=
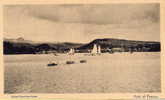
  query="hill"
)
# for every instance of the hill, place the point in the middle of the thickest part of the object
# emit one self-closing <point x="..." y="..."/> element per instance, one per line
<point x="12" y="46"/>
<point x="125" y="45"/>
<point x="21" y="46"/>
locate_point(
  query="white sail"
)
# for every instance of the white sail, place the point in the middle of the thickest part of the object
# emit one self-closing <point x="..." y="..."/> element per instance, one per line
<point x="94" y="50"/>
<point x="99" y="49"/>
<point x="71" y="51"/>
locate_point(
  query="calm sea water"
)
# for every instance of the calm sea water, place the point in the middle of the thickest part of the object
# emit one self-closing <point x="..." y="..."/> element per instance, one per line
<point x="107" y="73"/>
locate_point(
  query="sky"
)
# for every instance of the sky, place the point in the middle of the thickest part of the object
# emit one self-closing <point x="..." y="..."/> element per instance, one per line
<point x="82" y="22"/>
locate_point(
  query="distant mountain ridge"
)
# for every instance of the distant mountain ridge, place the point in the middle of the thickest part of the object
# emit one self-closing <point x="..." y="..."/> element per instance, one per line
<point x="116" y="42"/>
<point x="20" y="39"/>
<point x="21" y="46"/>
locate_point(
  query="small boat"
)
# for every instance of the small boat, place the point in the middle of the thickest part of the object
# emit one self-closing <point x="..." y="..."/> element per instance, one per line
<point x="83" y="61"/>
<point x="55" y="54"/>
<point x="52" y="64"/>
<point x="70" y="62"/>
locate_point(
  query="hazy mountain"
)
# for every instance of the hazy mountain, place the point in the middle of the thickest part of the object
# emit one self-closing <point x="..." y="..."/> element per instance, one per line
<point x="18" y="40"/>
<point x="21" y="46"/>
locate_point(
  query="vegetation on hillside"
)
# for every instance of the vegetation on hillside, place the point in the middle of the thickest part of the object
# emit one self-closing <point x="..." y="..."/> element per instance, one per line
<point x="107" y="45"/>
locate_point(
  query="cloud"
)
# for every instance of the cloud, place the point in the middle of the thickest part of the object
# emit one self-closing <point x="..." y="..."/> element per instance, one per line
<point x="82" y="23"/>
<point x="96" y="14"/>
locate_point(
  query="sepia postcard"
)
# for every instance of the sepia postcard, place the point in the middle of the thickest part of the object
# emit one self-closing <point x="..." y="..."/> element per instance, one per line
<point x="82" y="50"/>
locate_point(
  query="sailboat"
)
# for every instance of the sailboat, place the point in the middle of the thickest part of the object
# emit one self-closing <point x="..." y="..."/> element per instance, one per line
<point x="99" y="49"/>
<point x="96" y="50"/>
<point x="71" y="52"/>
